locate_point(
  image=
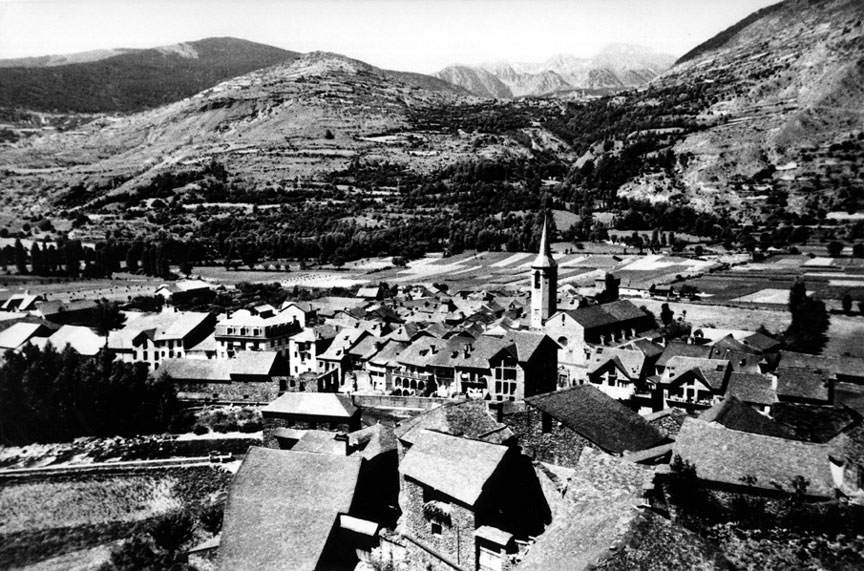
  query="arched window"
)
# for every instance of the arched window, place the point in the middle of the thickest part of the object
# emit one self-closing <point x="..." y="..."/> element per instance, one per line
<point x="536" y="280"/>
<point x="562" y="341"/>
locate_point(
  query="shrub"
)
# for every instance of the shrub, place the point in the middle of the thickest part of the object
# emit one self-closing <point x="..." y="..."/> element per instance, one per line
<point x="172" y="530"/>
<point x="211" y="518"/>
<point x="200" y="429"/>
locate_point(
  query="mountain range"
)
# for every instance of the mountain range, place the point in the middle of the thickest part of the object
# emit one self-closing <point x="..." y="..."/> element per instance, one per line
<point x="616" y="67"/>
<point x="766" y="113"/>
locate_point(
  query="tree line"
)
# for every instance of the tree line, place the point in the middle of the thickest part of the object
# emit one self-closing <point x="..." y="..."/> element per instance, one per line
<point x="50" y="395"/>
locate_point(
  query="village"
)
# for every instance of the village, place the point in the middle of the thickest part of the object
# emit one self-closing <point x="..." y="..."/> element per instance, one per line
<point x="414" y="427"/>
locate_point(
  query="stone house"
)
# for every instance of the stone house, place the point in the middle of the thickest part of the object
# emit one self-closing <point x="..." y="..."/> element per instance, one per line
<point x="458" y="501"/>
<point x="250" y="376"/>
<point x="247" y="331"/>
<point x="556" y="427"/>
<point x="303" y="410"/>
<point x="151" y="338"/>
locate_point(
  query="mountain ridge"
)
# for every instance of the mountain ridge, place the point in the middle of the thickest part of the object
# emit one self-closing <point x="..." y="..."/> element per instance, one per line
<point x="615" y="67"/>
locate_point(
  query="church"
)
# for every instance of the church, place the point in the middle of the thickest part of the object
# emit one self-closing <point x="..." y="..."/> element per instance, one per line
<point x="579" y="331"/>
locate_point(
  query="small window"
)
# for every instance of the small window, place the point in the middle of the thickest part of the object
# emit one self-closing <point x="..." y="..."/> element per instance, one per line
<point x="436" y="528"/>
<point x="536" y="280"/>
<point x="720" y="367"/>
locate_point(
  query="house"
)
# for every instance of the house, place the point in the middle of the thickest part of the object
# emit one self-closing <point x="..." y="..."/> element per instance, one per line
<point x="301" y="310"/>
<point x="82" y="339"/>
<point x="382" y="363"/>
<point x="469" y="419"/>
<point x="75" y="312"/>
<point x="620" y="373"/>
<point x="576" y="329"/>
<point x="458" y="501"/>
<point x="758" y="391"/>
<point x="505" y="369"/>
<point x="186" y="291"/>
<point x="731" y="460"/>
<point x="337" y="357"/>
<point x="375" y="292"/>
<point x="250" y="376"/>
<point x="291" y="510"/>
<point x="264" y="331"/>
<point x="305" y="347"/>
<point x="557" y="426"/>
<point x="803" y="385"/>
<point x="153" y="337"/>
<point x="692" y="383"/>
<point x="21" y="302"/>
<point x="17" y="334"/>
<point x="736" y="415"/>
<point x="309" y="410"/>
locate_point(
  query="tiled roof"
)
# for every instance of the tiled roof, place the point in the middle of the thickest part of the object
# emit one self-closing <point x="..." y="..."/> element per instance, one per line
<point x="311" y="404"/>
<point x="598" y="418"/>
<point x="457" y="467"/>
<point x="727" y="456"/>
<point x="281" y="508"/>
<point x="468" y="418"/>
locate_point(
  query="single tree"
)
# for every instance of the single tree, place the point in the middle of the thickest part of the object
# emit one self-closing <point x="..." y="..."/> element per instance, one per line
<point x="835" y="248"/>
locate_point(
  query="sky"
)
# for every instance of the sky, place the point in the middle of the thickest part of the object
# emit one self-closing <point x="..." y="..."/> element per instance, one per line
<point x="409" y="35"/>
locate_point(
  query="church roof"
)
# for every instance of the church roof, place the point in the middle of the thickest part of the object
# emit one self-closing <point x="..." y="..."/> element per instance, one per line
<point x="544" y="258"/>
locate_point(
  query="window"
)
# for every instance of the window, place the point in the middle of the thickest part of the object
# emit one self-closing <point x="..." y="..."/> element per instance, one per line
<point x="536" y="280"/>
<point x="547" y="423"/>
<point x="435" y="527"/>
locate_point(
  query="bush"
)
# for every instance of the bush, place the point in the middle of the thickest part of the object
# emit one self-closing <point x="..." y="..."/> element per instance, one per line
<point x="172" y="530"/>
<point x="211" y="518"/>
<point x="200" y="429"/>
<point x="253" y="426"/>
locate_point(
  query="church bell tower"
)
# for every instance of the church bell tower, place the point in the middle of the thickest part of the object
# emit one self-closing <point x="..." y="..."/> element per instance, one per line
<point x="544" y="283"/>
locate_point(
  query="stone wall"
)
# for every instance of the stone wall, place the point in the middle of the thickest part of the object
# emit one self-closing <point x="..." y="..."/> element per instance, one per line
<point x="233" y="391"/>
<point x="561" y="445"/>
<point x="271" y="424"/>
<point x="456" y="540"/>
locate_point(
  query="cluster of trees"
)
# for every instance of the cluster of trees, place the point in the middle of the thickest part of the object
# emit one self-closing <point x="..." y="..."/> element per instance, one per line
<point x="49" y="395"/>
<point x="808" y="331"/>
<point x="61" y="259"/>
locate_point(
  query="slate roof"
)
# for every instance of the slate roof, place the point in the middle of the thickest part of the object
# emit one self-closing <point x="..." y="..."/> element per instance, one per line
<point x="458" y="467"/>
<point x="388" y="355"/>
<point x="372" y="441"/>
<point x="815" y="423"/>
<point x="281" y="508"/>
<point x="457" y="351"/>
<point x="850" y="395"/>
<point x="726" y="456"/>
<point x="311" y="404"/>
<point x="712" y="371"/>
<point x="803" y="383"/>
<point x="469" y="419"/>
<point x="734" y="414"/>
<point x="679" y="349"/>
<point x="342" y="343"/>
<point x="750" y="388"/>
<point x="526" y="343"/>
<point x="844" y="366"/>
<point x="598" y="418"/>
<point x="647" y="347"/>
<point x="245" y="363"/>
<point x="630" y="362"/>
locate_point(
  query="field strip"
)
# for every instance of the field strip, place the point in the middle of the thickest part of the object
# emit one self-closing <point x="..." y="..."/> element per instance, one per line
<point x="511" y="260"/>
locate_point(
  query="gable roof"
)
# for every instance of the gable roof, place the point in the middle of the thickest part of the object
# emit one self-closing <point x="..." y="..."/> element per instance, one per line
<point x="469" y="419"/>
<point x="726" y="456"/>
<point x="598" y="418"/>
<point x="733" y="414"/>
<point x="628" y="361"/>
<point x="526" y="343"/>
<point x="19" y="333"/>
<point x="679" y="349"/>
<point x="158" y="326"/>
<point x="712" y="372"/>
<point x="803" y="383"/>
<point x="815" y="423"/>
<point x="245" y="363"/>
<point x="331" y="405"/>
<point x="282" y="507"/>
<point x="83" y="339"/>
<point x="458" y="467"/>
<point x="750" y="388"/>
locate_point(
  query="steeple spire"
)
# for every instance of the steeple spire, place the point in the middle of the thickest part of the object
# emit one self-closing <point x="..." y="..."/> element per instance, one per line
<point x="544" y="258"/>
